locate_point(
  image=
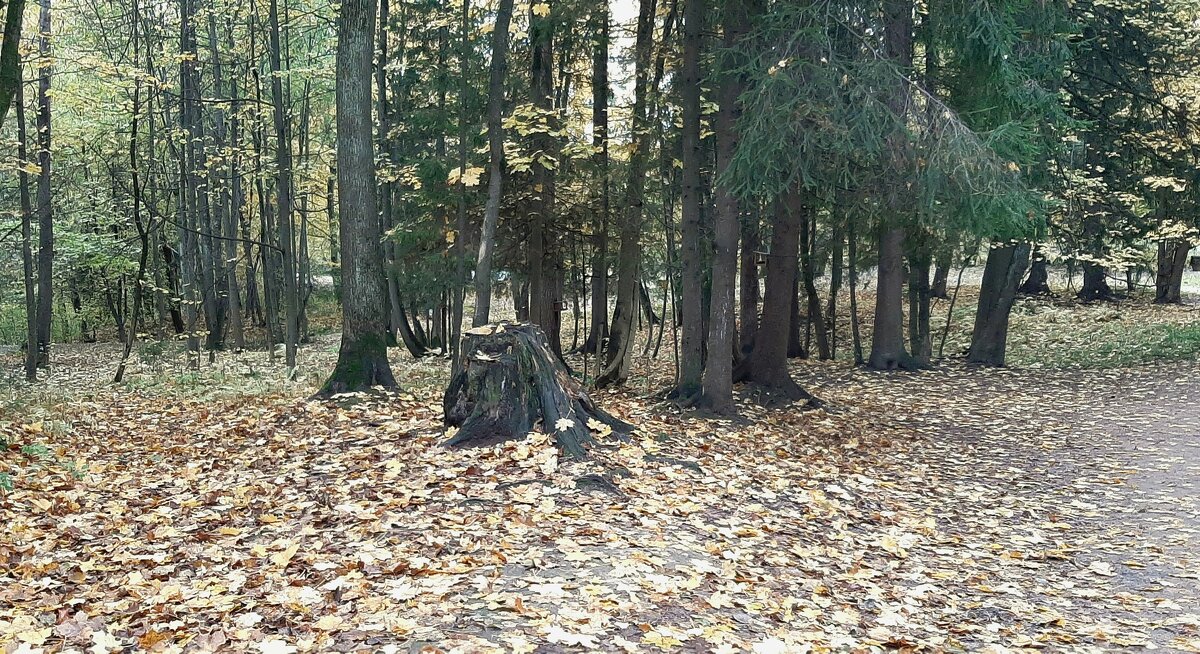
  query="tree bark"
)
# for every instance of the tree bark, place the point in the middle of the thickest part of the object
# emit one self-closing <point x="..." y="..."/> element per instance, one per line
<point x="45" y="208"/>
<point x="887" y="341"/>
<point x="920" y="340"/>
<point x="495" y="128"/>
<point x="621" y="336"/>
<point x="807" y="247"/>
<point x="543" y="250"/>
<point x="1001" y="275"/>
<point x="362" y="358"/>
<point x="1038" y="281"/>
<point x="27" y="261"/>
<point x="691" y="359"/>
<point x="598" y="328"/>
<point x="10" y="56"/>
<point x="1172" y="259"/>
<point x="283" y="188"/>
<point x="748" y="281"/>
<point x="766" y="366"/>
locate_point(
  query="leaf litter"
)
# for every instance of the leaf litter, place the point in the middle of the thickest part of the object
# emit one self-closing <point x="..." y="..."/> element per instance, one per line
<point x="957" y="509"/>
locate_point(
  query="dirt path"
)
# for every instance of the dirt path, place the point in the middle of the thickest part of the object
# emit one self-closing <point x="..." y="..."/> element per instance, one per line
<point x="1082" y="487"/>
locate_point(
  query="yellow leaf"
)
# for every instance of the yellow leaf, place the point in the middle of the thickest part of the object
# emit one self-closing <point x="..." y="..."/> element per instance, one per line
<point x="541" y="9"/>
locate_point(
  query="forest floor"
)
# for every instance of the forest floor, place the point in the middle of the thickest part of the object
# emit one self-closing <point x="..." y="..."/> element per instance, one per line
<point x="954" y="509"/>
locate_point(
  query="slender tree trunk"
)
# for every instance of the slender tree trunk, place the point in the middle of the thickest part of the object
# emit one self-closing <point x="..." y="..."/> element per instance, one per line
<point x="920" y="340"/>
<point x="852" y="257"/>
<point x="748" y="281"/>
<point x="941" y="275"/>
<point x="45" y="208"/>
<point x="362" y="358"/>
<point x="1001" y="275"/>
<point x="691" y="362"/>
<point x="807" y="253"/>
<point x="495" y="128"/>
<point x="621" y="335"/>
<point x="837" y="263"/>
<point x="31" y="306"/>
<point x="460" y="241"/>
<point x="283" y="190"/>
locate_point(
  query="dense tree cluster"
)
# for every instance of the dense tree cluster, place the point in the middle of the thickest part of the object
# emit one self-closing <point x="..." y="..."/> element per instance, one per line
<point x="718" y="172"/>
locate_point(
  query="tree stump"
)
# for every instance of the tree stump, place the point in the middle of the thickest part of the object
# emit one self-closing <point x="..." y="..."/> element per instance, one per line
<point x="510" y="381"/>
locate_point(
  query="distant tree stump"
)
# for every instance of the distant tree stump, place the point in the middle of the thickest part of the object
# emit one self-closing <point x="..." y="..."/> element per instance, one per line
<point x="511" y="381"/>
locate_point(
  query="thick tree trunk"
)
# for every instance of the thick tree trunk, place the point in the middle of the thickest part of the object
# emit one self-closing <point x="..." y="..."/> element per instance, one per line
<point x="10" y="56"/>
<point x="495" y="128"/>
<point x="621" y="336"/>
<point x="1001" y="275"/>
<point x="362" y="358"/>
<point x="510" y="383"/>
<point x="1095" y="277"/>
<point x="722" y="326"/>
<point x="1172" y="259"/>
<point x="766" y="366"/>
<point x="887" y="339"/>
<point x="45" y="208"/>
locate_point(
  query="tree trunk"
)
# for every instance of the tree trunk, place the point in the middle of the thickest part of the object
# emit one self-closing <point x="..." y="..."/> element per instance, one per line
<point x="941" y="276"/>
<point x="1001" y="275"/>
<point x="543" y="250"/>
<point x="1038" y="281"/>
<point x="45" y="208"/>
<point x="1095" y="277"/>
<point x="748" y="282"/>
<point x="598" y="329"/>
<point x="691" y="359"/>
<point x="837" y="264"/>
<point x="511" y="381"/>
<point x="766" y="366"/>
<point x="887" y="339"/>
<point x="621" y="335"/>
<point x="362" y="358"/>
<point x="31" y="306"/>
<point x="283" y="187"/>
<point x="1172" y="258"/>
<point x="10" y="56"/>
<point x="722" y="326"/>
<point x="807" y="247"/>
<point x="919" y="292"/>
<point x="495" y="128"/>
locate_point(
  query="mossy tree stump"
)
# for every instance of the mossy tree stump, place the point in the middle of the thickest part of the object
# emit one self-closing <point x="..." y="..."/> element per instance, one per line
<point x="509" y="383"/>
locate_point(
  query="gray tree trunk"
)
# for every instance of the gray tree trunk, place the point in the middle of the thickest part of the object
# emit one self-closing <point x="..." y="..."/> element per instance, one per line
<point x="362" y="358"/>
<point x="495" y="128"/>
<point x="1001" y="275"/>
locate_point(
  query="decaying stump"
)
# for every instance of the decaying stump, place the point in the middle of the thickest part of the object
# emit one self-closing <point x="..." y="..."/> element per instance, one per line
<point x="510" y="382"/>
